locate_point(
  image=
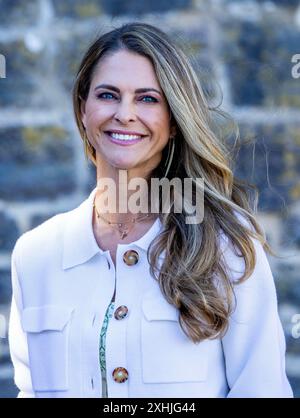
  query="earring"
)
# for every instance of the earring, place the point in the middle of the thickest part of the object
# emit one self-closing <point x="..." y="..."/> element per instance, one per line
<point x="169" y="161"/>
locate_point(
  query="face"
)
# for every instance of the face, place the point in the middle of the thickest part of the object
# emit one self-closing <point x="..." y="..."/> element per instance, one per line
<point x="121" y="107"/>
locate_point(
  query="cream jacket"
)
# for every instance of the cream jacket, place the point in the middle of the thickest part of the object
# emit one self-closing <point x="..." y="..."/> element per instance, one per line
<point x="62" y="284"/>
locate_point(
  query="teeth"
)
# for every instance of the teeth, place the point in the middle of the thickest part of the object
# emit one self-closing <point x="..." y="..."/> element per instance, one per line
<point x="124" y="137"/>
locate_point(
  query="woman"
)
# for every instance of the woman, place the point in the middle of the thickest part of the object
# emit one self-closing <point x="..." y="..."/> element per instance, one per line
<point x="116" y="303"/>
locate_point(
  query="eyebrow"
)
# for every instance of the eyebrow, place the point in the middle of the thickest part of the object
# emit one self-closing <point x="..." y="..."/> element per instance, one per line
<point x="141" y="90"/>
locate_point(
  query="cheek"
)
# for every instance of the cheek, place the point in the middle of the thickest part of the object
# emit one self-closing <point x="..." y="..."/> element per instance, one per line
<point x="94" y="115"/>
<point x="161" y="126"/>
<point x="155" y="119"/>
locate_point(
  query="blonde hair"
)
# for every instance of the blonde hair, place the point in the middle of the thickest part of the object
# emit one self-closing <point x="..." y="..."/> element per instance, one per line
<point x="193" y="257"/>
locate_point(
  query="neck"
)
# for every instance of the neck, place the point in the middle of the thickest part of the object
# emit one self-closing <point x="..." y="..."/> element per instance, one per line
<point x="116" y="203"/>
<point x="122" y="194"/>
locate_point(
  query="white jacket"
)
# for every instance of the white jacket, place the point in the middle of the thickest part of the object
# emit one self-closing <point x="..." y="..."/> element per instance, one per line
<point x="62" y="284"/>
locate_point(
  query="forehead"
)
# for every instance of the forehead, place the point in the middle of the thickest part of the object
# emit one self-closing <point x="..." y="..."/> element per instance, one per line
<point x="125" y="67"/>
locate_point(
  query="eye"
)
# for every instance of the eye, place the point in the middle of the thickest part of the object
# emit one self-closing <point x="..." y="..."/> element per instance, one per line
<point x="101" y="95"/>
<point x="153" y="99"/>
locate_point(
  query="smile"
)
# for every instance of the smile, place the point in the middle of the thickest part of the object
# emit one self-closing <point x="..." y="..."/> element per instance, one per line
<point x="124" y="136"/>
<point x="124" y="139"/>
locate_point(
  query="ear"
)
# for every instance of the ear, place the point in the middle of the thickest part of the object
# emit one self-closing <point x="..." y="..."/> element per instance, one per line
<point x="173" y="130"/>
<point x="82" y="112"/>
<point x="173" y="127"/>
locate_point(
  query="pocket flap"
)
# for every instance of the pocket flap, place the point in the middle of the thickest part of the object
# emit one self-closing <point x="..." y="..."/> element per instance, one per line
<point x="48" y="317"/>
<point x="155" y="308"/>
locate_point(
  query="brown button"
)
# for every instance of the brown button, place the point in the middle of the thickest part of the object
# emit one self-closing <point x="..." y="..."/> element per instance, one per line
<point x="121" y="312"/>
<point x="120" y="374"/>
<point x="131" y="257"/>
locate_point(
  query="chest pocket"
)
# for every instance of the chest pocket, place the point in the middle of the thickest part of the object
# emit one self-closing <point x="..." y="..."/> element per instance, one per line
<point x="47" y="330"/>
<point x="168" y="355"/>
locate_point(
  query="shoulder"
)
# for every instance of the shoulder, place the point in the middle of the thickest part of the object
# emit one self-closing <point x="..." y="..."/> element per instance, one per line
<point x="235" y="263"/>
<point x="41" y="239"/>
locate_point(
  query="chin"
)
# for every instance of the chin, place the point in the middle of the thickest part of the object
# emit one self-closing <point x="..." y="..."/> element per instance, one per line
<point x="124" y="165"/>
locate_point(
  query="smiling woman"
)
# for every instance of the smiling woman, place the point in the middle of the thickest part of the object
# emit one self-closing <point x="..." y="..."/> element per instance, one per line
<point x="148" y="306"/>
<point x="114" y="102"/>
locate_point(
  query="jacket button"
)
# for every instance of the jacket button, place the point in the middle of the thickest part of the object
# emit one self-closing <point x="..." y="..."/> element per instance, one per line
<point x="120" y="374"/>
<point x="121" y="312"/>
<point x="131" y="257"/>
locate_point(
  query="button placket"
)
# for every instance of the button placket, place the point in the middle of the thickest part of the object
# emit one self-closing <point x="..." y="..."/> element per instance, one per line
<point x="116" y="344"/>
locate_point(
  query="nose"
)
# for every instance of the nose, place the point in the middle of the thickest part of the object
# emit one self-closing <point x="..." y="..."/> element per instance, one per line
<point x="125" y="112"/>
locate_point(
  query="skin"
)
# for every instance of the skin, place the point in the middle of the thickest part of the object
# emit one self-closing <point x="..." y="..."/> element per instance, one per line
<point x="146" y="113"/>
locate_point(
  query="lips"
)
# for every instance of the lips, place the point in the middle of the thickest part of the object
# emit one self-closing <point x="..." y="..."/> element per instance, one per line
<point x="125" y="133"/>
<point x="122" y="142"/>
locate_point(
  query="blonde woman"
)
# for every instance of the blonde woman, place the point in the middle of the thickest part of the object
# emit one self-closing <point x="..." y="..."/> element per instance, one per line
<point x="124" y="304"/>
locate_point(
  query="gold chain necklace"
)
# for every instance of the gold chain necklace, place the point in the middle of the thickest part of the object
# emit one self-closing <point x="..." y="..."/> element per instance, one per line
<point x="122" y="228"/>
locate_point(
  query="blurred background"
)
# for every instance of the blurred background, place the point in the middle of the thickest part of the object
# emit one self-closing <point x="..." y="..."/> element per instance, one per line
<point x="249" y="47"/>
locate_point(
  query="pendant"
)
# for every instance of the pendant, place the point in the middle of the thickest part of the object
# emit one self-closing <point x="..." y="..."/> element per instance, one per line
<point x="124" y="232"/>
<point x="124" y="235"/>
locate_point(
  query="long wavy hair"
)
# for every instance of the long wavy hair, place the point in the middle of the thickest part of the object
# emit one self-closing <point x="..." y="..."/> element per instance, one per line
<point x="193" y="258"/>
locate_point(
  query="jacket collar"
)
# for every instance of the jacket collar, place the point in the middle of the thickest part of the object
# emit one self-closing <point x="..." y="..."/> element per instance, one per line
<point x="79" y="242"/>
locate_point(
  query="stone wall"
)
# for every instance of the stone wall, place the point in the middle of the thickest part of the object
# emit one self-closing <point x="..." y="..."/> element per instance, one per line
<point x="245" y="46"/>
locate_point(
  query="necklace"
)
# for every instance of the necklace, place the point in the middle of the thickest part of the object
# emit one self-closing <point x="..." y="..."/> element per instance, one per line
<point x="122" y="228"/>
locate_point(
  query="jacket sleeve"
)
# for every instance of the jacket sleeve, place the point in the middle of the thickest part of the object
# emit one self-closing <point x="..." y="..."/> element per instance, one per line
<point x="254" y="345"/>
<point x="17" y="337"/>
